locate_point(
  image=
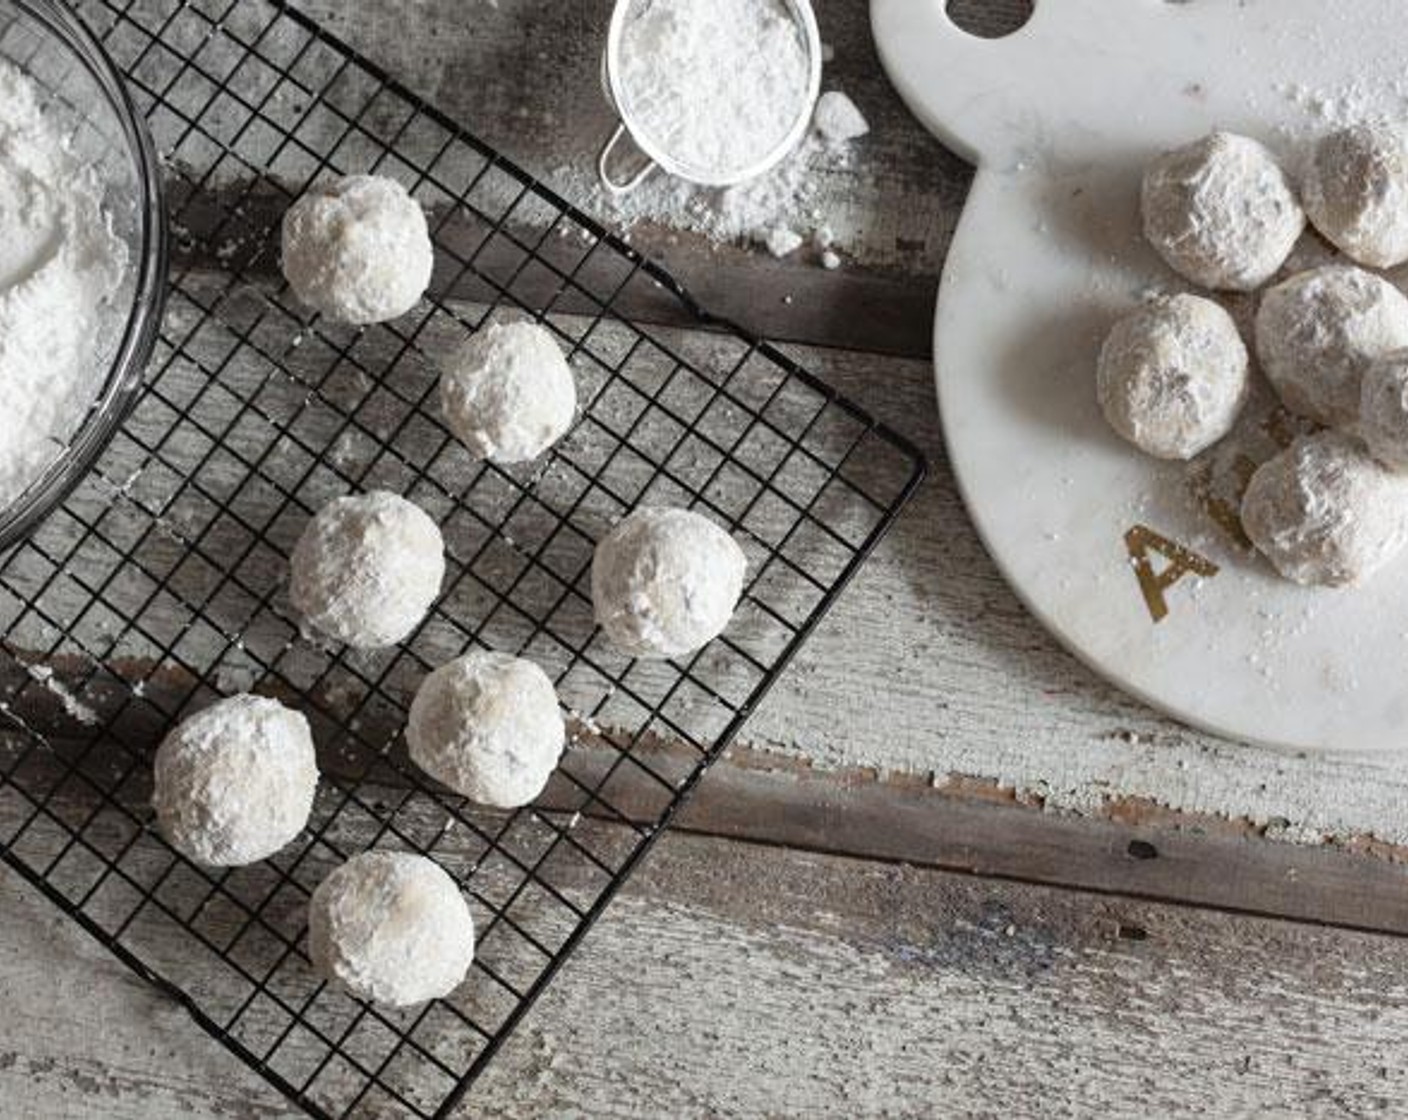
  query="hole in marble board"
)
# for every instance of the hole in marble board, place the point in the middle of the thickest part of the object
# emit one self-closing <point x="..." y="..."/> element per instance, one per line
<point x="990" y="19"/>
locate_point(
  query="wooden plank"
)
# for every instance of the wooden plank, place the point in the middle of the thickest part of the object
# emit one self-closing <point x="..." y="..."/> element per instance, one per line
<point x="1179" y="858"/>
<point x="733" y="979"/>
<point x="968" y="826"/>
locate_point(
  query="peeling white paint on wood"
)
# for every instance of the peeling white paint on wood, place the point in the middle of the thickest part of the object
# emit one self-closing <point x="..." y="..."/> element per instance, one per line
<point x="746" y="981"/>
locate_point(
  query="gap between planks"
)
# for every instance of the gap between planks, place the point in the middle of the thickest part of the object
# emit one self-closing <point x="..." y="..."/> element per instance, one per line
<point x="1191" y="861"/>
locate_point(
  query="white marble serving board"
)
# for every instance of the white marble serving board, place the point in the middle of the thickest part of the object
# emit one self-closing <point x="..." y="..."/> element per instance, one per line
<point x="1061" y="117"/>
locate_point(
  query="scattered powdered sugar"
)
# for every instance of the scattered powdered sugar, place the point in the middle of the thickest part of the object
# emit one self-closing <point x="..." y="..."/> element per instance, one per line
<point x="783" y="241"/>
<point x="1355" y="101"/>
<point x="75" y="707"/>
<point x="837" y="119"/>
<point x="60" y="266"/>
<point x="716" y="84"/>
<point x="769" y="210"/>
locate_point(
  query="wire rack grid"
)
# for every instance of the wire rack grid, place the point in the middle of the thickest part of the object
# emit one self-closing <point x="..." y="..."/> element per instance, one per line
<point x="160" y="584"/>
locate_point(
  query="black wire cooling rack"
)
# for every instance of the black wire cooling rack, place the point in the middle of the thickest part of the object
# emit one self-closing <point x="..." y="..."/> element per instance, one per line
<point x="160" y="583"/>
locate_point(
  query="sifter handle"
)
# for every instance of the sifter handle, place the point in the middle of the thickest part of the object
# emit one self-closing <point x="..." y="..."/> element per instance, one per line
<point x="603" y="165"/>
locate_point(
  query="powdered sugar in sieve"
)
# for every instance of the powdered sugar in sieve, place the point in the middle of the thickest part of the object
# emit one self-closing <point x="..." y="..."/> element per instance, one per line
<point x="716" y="92"/>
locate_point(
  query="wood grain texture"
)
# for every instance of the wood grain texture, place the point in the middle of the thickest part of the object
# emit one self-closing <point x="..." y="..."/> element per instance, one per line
<point x="1141" y="853"/>
<point x="746" y="980"/>
<point x="738" y="980"/>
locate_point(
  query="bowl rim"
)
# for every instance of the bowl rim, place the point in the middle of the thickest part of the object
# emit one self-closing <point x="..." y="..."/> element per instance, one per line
<point x="125" y="378"/>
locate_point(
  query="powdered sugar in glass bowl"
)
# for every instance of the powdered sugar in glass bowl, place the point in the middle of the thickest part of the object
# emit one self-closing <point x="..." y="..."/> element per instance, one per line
<point x="67" y="108"/>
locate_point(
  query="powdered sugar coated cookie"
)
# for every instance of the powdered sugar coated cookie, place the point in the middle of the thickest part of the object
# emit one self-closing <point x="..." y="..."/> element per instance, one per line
<point x="235" y="783"/>
<point x="665" y="582"/>
<point x="488" y="726"/>
<point x="508" y="393"/>
<point x="1325" y="513"/>
<point x="358" y="249"/>
<point x="1221" y="212"/>
<point x="1318" y="332"/>
<point x="367" y="569"/>
<point x="391" y="927"/>
<point x="1173" y="376"/>
<point x="1356" y="192"/>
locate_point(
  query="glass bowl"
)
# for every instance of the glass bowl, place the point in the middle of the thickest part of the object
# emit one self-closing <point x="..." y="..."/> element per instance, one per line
<point x="84" y="94"/>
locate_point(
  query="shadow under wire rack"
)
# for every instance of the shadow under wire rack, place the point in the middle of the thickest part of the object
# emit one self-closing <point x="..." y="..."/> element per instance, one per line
<point x="160" y="584"/>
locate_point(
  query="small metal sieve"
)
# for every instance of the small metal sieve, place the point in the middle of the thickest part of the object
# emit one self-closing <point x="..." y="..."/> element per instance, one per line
<point x="652" y="155"/>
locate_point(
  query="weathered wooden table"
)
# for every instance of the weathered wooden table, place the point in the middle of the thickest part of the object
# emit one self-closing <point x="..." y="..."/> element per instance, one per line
<point x="949" y="871"/>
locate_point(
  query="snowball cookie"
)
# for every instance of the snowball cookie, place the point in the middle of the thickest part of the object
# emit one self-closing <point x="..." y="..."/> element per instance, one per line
<point x="1173" y="376"/>
<point x="1323" y="512"/>
<point x="235" y="783"/>
<point x="357" y="250"/>
<point x="508" y="393"/>
<point x="392" y="927"/>
<point x="665" y="582"/>
<point x="488" y="726"/>
<point x="1383" y="410"/>
<point x="1356" y="192"/>
<point x="1221" y="212"/>
<point x="1317" y="333"/>
<point x="367" y="569"/>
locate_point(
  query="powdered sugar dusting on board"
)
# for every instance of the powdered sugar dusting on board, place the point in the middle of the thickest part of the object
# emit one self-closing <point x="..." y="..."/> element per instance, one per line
<point x="1356" y="101"/>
